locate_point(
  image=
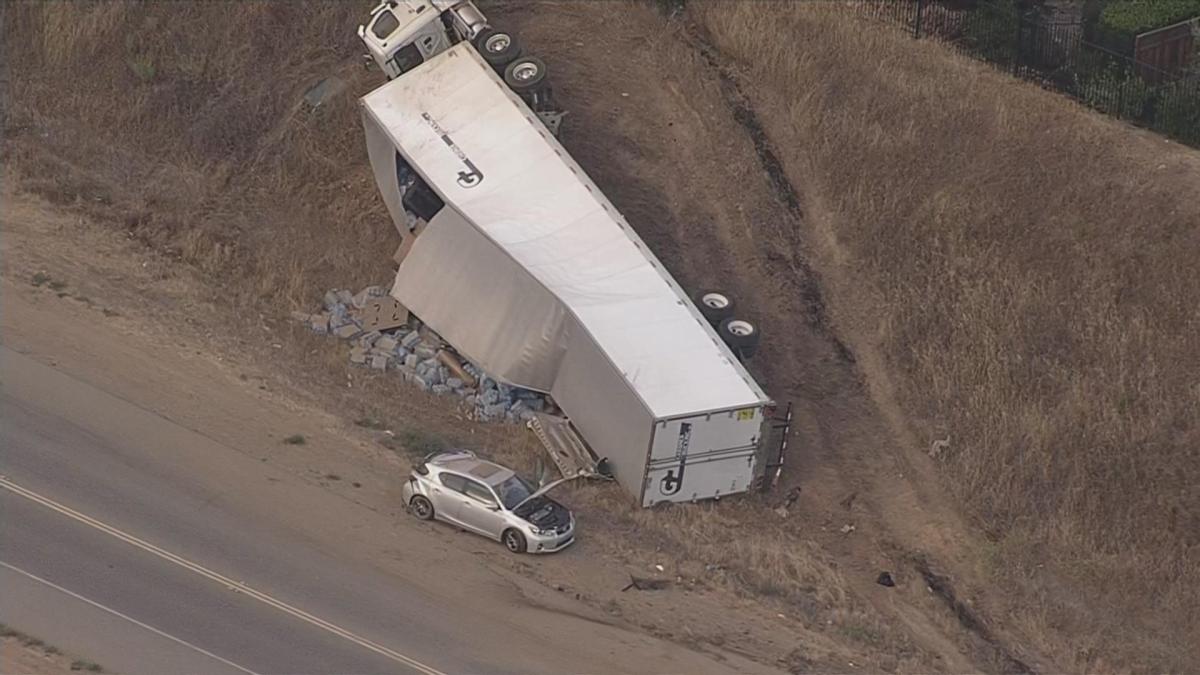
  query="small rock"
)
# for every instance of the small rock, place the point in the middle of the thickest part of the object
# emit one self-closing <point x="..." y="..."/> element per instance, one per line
<point x="489" y="397"/>
<point x="345" y="297"/>
<point x="368" y="339"/>
<point x="347" y="331"/>
<point x="425" y="351"/>
<point x="454" y="383"/>
<point x="411" y="340"/>
<point x="358" y="355"/>
<point x="319" y="323"/>
<point x="302" y="317"/>
<point x="885" y="579"/>
<point x="494" y="409"/>
<point x="411" y="361"/>
<point x="330" y="299"/>
<point x="379" y="362"/>
<point x="440" y="389"/>
<point x="420" y="382"/>
<point x="847" y="528"/>
<point x="387" y="343"/>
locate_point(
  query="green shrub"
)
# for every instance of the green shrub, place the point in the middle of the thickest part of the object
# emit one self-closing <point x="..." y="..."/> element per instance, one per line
<point x="1118" y="91"/>
<point x="990" y="31"/>
<point x="1138" y="16"/>
<point x="1178" y="111"/>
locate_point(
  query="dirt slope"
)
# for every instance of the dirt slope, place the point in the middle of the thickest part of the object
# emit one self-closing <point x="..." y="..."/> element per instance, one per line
<point x="1017" y="275"/>
<point x="202" y="149"/>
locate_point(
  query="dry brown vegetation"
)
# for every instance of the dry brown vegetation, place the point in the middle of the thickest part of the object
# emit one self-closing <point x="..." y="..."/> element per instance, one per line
<point x="1021" y="277"/>
<point x="1009" y="270"/>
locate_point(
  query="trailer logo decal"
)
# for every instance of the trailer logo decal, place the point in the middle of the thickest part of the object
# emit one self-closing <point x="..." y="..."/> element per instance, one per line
<point x="671" y="483"/>
<point x="472" y="176"/>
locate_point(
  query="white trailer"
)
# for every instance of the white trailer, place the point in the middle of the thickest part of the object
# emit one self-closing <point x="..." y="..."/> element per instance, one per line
<point x="515" y="257"/>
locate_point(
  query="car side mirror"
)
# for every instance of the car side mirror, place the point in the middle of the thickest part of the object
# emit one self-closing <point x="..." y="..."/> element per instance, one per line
<point x="493" y="507"/>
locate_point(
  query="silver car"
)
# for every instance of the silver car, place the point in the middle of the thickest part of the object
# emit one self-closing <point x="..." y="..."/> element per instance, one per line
<point x="488" y="499"/>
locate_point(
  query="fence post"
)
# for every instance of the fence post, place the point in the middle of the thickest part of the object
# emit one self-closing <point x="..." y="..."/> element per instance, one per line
<point x="917" y="23"/>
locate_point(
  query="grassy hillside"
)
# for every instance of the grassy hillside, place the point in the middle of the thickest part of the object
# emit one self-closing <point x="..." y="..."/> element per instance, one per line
<point x="1019" y="275"/>
<point x="186" y="121"/>
<point x="1011" y="271"/>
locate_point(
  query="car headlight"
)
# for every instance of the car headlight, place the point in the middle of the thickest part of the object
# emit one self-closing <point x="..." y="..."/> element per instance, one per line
<point x="541" y="531"/>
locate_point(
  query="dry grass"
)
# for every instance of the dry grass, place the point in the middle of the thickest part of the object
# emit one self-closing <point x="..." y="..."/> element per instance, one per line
<point x="201" y="145"/>
<point x="1022" y="268"/>
<point x="1025" y="272"/>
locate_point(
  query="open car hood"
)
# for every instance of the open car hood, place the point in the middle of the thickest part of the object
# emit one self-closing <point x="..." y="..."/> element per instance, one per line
<point x="541" y="491"/>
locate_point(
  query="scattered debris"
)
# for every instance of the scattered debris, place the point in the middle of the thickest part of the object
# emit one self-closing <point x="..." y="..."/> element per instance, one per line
<point x="847" y="528"/>
<point x="781" y="511"/>
<point x="387" y="338"/>
<point x="939" y="446"/>
<point x="297" y="439"/>
<point x="642" y="584"/>
<point x="885" y="579"/>
<point x="324" y="90"/>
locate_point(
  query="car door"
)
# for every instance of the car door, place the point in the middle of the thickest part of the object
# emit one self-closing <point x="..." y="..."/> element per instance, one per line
<point x="480" y="511"/>
<point x="447" y="496"/>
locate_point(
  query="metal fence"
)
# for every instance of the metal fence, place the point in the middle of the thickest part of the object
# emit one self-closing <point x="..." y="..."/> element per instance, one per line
<point x="1057" y="56"/>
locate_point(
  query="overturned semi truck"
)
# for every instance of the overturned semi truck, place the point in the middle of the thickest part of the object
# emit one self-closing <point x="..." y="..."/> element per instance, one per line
<point x="514" y="256"/>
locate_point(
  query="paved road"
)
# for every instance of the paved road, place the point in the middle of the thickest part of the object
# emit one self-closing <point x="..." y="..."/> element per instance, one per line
<point x="127" y="539"/>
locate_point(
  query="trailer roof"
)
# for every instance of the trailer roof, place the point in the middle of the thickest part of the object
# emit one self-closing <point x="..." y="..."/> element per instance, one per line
<point x="453" y="115"/>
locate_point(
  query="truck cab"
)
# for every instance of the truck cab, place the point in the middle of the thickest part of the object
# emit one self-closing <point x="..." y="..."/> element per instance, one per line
<point x="403" y="34"/>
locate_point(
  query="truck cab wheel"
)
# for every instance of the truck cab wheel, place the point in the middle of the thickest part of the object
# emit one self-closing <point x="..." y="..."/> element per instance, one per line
<point x="715" y="306"/>
<point x="499" y="48"/>
<point x="525" y="74"/>
<point x="741" y="336"/>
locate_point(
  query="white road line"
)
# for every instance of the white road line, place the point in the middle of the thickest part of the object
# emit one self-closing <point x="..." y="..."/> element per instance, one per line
<point x="130" y="619"/>
<point x="219" y="578"/>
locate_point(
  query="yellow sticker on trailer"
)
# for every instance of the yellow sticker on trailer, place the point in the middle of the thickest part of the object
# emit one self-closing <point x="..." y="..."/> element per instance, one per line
<point x="747" y="414"/>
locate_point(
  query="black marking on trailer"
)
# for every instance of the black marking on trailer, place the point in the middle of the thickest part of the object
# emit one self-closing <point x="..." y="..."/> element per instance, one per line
<point x="670" y="483"/>
<point x="472" y="176"/>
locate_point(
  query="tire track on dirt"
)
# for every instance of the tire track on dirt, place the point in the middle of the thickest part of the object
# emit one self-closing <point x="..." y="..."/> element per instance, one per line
<point x="743" y="111"/>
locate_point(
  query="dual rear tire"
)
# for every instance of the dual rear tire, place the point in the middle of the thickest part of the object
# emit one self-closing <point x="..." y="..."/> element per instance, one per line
<point x="740" y="335"/>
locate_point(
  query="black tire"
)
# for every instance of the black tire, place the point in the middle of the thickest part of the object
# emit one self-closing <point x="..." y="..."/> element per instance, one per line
<point x="525" y="74"/>
<point x="716" y="306"/>
<point x="514" y="541"/>
<point x="421" y="507"/>
<point x="498" y="47"/>
<point x="741" y="336"/>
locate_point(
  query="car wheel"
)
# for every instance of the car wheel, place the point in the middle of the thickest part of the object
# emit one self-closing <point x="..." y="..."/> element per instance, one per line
<point x="499" y="48"/>
<point x="421" y="507"/>
<point x="525" y="74"/>
<point x="715" y="306"/>
<point x="741" y="336"/>
<point x="513" y="541"/>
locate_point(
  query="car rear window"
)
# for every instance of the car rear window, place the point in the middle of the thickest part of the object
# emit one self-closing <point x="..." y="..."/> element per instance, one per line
<point x="456" y="483"/>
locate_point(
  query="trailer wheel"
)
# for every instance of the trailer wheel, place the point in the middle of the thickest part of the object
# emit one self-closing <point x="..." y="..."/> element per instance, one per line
<point x="499" y="48"/>
<point x="715" y="306"/>
<point x="526" y="74"/>
<point x="741" y="336"/>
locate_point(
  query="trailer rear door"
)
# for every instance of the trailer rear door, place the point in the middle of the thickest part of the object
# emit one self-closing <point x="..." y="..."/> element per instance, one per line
<point x="702" y="456"/>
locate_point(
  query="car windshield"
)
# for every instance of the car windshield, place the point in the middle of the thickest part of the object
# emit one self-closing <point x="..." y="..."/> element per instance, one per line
<point x="513" y="491"/>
